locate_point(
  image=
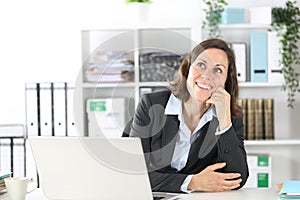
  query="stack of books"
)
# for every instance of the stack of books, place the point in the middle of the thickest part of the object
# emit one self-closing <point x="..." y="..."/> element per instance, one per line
<point x="110" y="67"/>
<point x="258" y="118"/>
<point x="3" y="175"/>
<point x="110" y="72"/>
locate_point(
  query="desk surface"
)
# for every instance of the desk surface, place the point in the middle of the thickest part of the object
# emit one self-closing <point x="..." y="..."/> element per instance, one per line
<point x="243" y="194"/>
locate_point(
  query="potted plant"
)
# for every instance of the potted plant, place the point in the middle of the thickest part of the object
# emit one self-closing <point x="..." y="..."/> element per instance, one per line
<point x="286" y="21"/>
<point x="140" y="1"/>
<point x="213" y="17"/>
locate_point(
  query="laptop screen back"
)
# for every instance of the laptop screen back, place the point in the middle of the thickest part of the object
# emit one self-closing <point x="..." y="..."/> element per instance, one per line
<point x="91" y="168"/>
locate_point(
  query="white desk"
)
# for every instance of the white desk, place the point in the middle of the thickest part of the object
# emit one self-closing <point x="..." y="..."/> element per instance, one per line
<point x="243" y="194"/>
<point x="37" y="194"/>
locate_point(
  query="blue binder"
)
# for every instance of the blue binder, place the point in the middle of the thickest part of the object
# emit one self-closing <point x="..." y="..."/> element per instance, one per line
<point x="259" y="57"/>
<point x="233" y="16"/>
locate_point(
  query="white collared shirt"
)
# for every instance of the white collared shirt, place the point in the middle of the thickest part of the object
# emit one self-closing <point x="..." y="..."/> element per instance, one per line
<point x="185" y="137"/>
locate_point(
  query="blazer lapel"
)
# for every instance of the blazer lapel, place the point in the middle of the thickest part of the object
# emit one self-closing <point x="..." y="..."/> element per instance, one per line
<point x="169" y="135"/>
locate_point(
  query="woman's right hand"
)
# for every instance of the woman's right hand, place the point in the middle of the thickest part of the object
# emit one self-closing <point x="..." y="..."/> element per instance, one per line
<point x="209" y="180"/>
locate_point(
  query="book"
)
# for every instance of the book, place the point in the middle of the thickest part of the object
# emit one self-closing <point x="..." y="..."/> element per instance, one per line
<point x="250" y="119"/>
<point x="259" y="119"/>
<point x="4" y="174"/>
<point x="269" y="118"/>
<point x="290" y="189"/>
<point x="242" y="103"/>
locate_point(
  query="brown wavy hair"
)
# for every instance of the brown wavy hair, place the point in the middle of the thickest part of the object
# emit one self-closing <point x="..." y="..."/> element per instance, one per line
<point x="178" y="85"/>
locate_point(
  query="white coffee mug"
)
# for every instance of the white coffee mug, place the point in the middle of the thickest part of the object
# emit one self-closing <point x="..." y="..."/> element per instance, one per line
<point x="17" y="187"/>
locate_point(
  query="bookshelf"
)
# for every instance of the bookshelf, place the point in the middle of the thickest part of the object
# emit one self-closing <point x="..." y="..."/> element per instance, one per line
<point x="129" y="90"/>
<point x="286" y="145"/>
<point x="132" y="42"/>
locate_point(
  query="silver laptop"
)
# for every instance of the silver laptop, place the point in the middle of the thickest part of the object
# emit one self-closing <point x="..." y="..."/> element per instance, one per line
<point x="92" y="168"/>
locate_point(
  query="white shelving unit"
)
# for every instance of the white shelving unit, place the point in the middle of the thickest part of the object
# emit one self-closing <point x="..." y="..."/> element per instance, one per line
<point x="108" y="85"/>
<point x="244" y="26"/>
<point x="286" y="145"/>
<point x="134" y="41"/>
<point x="272" y="142"/>
<point x="258" y="85"/>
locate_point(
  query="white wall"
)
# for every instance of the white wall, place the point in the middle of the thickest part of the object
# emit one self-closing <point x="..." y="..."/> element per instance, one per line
<point x="40" y="41"/>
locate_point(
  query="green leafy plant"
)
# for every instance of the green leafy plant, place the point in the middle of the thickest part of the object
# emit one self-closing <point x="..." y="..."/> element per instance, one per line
<point x="213" y="17"/>
<point x="286" y="21"/>
<point x="140" y="1"/>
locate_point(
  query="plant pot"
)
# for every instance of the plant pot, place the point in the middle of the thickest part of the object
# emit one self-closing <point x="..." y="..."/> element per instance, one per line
<point x="139" y="12"/>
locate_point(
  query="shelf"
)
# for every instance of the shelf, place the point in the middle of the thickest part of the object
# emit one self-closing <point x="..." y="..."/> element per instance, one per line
<point x="108" y="85"/>
<point x="125" y="85"/>
<point x="153" y="84"/>
<point x="165" y="84"/>
<point x="252" y="84"/>
<point x="272" y="142"/>
<point x="245" y="26"/>
<point x="137" y="26"/>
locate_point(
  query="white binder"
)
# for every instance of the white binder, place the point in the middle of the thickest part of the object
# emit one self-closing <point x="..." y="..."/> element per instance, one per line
<point x="59" y="97"/>
<point x="240" y="60"/>
<point x="4" y="155"/>
<point x="31" y="109"/>
<point x="46" y="109"/>
<point x="274" y="59"/>
<point x="106" y="117"/>
<point x="71" y="127"/>
<point x="31" y="170"/>
<point x="18" y="151"/>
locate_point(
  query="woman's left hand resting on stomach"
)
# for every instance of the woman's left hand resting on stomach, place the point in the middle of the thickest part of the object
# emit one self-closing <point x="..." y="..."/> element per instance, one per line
<point x="208" y="180"/>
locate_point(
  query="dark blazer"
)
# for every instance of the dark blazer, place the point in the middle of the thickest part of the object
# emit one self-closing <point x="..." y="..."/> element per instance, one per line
<point x="158" y="133"/>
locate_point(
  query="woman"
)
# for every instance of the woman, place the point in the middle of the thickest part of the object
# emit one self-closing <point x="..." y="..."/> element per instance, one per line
<point x="192" y="135"/>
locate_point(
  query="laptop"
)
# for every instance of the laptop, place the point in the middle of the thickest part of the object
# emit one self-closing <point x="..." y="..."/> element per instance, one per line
<point x="92" y="168"/>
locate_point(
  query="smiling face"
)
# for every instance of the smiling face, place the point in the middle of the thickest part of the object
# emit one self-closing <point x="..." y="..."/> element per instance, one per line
<point x="207" y="73"/>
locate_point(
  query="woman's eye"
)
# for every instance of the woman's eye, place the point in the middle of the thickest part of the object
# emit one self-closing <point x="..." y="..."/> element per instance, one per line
<point x="218" y="70"/>
<point x="201" y="65"/>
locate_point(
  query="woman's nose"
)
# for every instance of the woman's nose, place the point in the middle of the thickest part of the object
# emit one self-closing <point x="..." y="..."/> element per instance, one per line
<point x="206" y="75"/>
